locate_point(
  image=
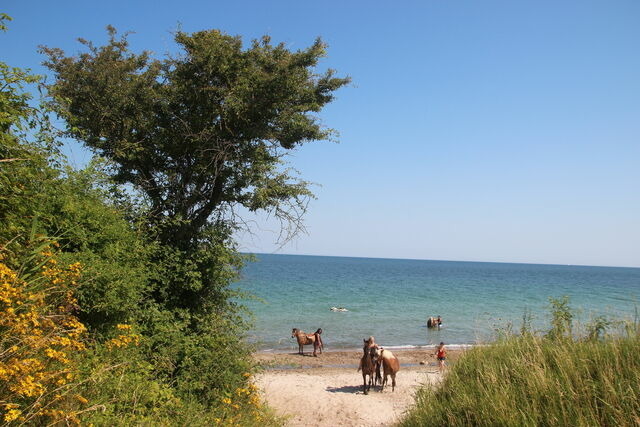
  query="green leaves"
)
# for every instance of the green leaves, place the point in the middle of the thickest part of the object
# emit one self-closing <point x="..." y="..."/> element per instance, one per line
<point x="192" y="132"/>
<point x="157" y="254"/>
<point x="561" y="317"/>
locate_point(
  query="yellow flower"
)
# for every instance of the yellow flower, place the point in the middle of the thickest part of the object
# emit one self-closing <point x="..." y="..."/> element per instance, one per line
<point x="30" y="370"/>
<point x="12" y="414"/>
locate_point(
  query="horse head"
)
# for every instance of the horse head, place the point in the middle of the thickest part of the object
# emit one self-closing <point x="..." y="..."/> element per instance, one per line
<point x="294" y="332"/>
<point x="370" y="351"/>
<point x="370" y="343"/>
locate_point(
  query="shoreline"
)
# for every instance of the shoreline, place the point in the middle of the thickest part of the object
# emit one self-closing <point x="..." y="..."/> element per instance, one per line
<point x="348" y="359"/>
<point x="394" y="348"/>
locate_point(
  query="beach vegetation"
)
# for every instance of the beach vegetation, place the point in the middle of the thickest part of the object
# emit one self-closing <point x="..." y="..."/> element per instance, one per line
<point x="41" y="337"/>
<point x="548" y="378"/>
<point x="116" y="302"/>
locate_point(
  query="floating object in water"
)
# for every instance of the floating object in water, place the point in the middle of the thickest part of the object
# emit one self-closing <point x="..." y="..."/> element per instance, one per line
<point x="338" y="309"/>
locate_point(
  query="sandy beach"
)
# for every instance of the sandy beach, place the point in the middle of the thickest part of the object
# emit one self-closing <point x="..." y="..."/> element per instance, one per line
<point x="327" y="390"/>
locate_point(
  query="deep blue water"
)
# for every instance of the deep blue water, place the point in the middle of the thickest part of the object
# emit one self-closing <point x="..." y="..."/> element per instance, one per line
<point x="392" y="298"/>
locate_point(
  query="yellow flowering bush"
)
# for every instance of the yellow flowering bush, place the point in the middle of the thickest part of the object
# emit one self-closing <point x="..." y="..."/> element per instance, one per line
<point x="40" y="336"/>
<point x="244" y="407"/>
<point x="125" y="337"/>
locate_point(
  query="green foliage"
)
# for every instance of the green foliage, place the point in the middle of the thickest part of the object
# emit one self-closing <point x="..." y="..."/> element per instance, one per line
<point x="22" y="199"/>
<point x="533" y="380"/>
<point x="21" y="163"/>
<point x="527" y="319"/>
<point x="39" y="199"/>
<point x="14" y="101"/>
<point x="199" y="133"/>
<point x="597" y="328"/>
<point x="184" y="141"/>
<point x="198" y="279"/>
<point x="561" y="317"/>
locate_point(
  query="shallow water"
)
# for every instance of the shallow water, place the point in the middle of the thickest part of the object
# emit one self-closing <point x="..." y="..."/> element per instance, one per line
<point x="392" y="298"/>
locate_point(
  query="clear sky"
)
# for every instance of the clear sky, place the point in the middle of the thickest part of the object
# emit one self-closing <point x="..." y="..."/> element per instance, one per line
<point x="474" y="130"/>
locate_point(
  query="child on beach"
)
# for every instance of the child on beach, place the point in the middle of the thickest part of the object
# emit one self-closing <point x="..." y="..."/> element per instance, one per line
<point x="441" y="354"/>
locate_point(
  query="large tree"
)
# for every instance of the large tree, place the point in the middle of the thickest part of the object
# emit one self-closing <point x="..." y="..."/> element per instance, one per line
<point x="202" y="132"/>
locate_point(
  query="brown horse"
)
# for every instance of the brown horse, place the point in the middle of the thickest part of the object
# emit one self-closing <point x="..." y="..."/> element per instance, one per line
<point x="306" y="339"/>
<point x="390" y="366"/>
<point x="368" y="345"/>
<point x="368" y="364"/>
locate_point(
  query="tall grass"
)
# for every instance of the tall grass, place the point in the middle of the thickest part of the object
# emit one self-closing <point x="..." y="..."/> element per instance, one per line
<point x="531" y="379"/>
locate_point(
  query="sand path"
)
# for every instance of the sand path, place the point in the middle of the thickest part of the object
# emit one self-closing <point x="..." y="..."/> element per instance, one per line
<point x="317" y="393"/>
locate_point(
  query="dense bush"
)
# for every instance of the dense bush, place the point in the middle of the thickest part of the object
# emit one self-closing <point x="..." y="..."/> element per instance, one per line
<point x="157" y="338"/>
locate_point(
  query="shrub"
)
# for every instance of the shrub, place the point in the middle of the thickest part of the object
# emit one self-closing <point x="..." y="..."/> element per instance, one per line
<point x="556" y="379"/>
<point x="40" y="342"/>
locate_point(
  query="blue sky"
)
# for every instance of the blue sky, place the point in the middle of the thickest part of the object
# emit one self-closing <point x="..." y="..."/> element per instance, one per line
<point x="474" y="130"/>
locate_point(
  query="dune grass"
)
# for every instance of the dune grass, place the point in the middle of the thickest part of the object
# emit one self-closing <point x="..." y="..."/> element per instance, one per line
<point x="532" y="379"/>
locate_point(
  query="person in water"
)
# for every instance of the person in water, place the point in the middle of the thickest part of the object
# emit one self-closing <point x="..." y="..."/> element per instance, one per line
<point x="439" y="322"/>
<point x="441" y="354"/>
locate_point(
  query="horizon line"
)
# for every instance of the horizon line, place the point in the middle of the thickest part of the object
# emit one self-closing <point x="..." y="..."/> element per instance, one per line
<point x="442" y="260"/>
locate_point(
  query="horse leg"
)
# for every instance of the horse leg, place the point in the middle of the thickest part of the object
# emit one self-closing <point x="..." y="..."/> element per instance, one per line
<point x="364" y="385"/>
<point x="393" y="382"/>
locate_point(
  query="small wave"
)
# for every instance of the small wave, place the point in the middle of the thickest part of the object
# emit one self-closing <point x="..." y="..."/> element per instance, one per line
<point x="430" y="346"/>
<point x="461" y="346"/>
<point x="401" y="347"/>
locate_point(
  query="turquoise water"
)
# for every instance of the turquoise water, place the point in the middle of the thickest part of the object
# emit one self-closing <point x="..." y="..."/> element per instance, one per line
<point x="392" y="298"/>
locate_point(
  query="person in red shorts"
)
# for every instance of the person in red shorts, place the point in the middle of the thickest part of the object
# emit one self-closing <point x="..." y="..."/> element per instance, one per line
<point x="441" y="354"/>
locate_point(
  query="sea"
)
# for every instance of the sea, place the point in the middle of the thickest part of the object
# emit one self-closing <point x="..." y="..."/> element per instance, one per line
<point x="392" y="299"/>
